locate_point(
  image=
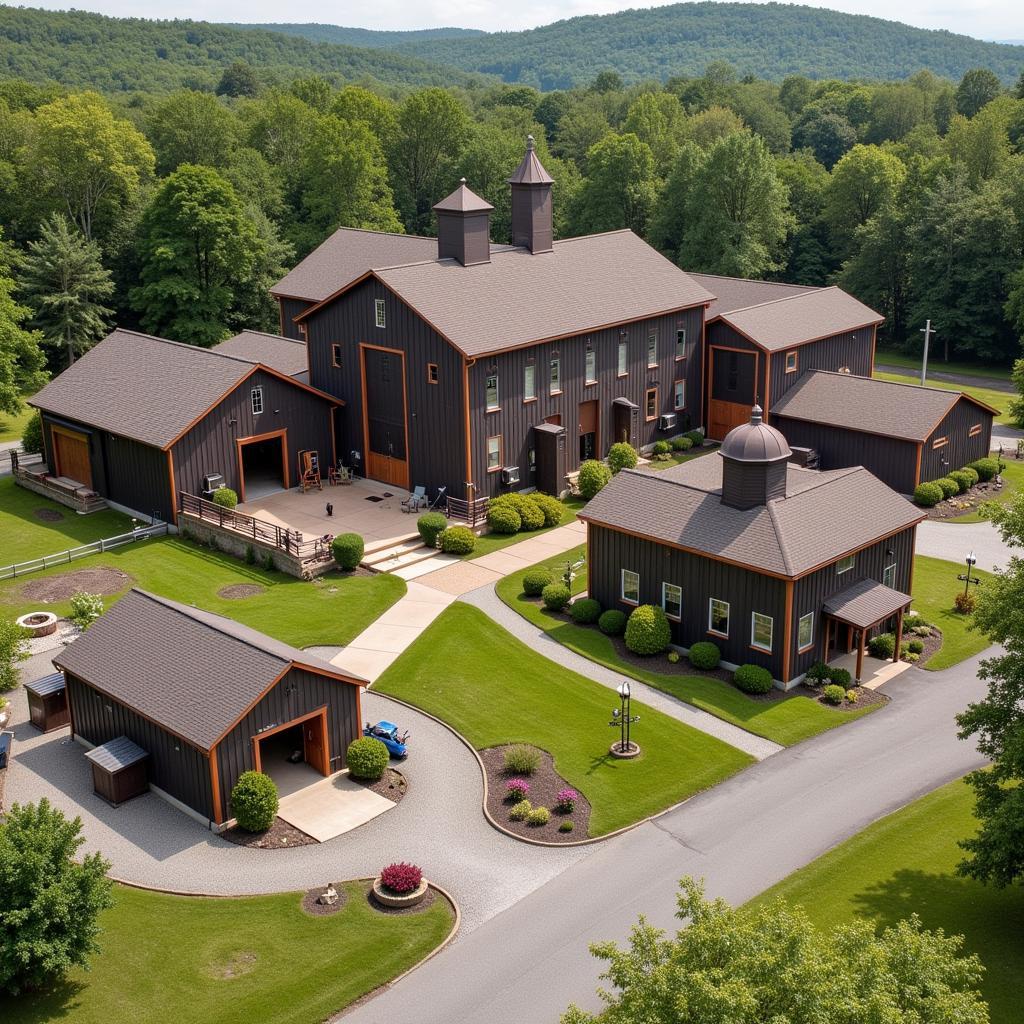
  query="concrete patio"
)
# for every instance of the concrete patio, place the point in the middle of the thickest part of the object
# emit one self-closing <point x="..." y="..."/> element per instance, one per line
<point x="330" y="807"/>
<point x="874" y="672"/>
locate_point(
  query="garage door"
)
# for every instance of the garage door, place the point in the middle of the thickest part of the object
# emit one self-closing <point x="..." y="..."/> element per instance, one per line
<point x="71" y="455"/>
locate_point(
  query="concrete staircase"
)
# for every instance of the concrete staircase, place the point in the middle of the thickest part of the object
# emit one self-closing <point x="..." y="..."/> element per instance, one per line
<point x="397" y="553"/>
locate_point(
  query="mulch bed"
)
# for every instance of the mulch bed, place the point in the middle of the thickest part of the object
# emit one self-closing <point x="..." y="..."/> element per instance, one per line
<point x="329" y="579"/>
<point x="545" y="783"/>
<point x="311" y="905"/>
<point x="961" y="504"/>
<point x="280" y="836"/>
<point x="48" y="515"/>
<point x="865" y="698"/>
<point x="67" y="584"/>
<point x="424" y="904"/>
<point x="931" y="645"/>
<point x="391" y="785"/>
<point x="239" y="591"/>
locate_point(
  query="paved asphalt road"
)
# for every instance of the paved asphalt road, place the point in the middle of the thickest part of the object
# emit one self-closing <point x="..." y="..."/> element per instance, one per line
<point x="529" y="962"/>
<point x="952" y="541"/>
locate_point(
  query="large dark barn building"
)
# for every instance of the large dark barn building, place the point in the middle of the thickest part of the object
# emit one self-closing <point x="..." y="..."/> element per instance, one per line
<point x="203" y="696"/>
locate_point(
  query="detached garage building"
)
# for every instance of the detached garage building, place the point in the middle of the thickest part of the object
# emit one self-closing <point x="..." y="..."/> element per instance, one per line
<point x="202" y="696"/>
<point x="141" y="420"/>
<point x="902" y="433"/>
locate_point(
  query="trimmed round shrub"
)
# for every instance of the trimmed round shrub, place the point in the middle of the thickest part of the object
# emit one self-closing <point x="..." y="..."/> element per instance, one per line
<point x="529" y="512"/>
<point x="566" y="826"/>
<point x="705" y="655"/>
<point x="833" y="694"/>
<point x="915" y="646"/>
<point x="928" y="494"/>
<point x="430" y="526"/>
<point x="521" y="759"/>
<point x="538" y="816"/>
<point x="585" y="611"/>
<point x="225" y="497"/>
<point x="622" y="455"/>
<point x="555" y="596"/>
<point x="673" y="657"/>
<point x="520" y="811"/>
<point x="401" y="878"/>
<point x="593" y="476"/>
<point x="972" y="473"/>
<point x="949" y="486"/>
<point x="818" y="673"/>
<point x="347" y="549"/>
<point x="516" y="789"/>
<point x="661" y="448"/>
<point x="912" y="657"/>
<point x="647" y="630"/>
<point x="696" y="437"/>
<point x="882" y="646"/>
<point x="985" y="468"/>
<point x="612" y="622"/>
<point x="962" y="479"/>
<point x="851" y="696"/>
<point x="839" y="676"/>
<point x="457" y="540"/>
<point x="254" y="801"/>
<point x="752" y="679"/>
<point x="32" y="436"/>
<point x="503" y="519"/>
<point x="550" y="508"/>
<point x="681" y="444"/>
<point x="367" y="758"/>
<point x="535" y="581"/>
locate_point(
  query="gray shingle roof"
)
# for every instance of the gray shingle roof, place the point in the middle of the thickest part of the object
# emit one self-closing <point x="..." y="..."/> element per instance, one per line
<point x="874" y="406"/>
<point x="286" y="355"/>
<point x="53" y="683"/>
<point x="116" y="754"/>
<point x="733" y="293"/>
<point x="530" y="170"/>
<point x="463" y="200"/>
<point x="190" y="671"/>
<point x="346" y="255"/>
<point x="823" y="516"/>
<point x="864" y="603"/>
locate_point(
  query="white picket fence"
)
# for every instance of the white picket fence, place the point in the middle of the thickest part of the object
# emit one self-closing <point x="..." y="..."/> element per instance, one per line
<point x="97" y="547"/>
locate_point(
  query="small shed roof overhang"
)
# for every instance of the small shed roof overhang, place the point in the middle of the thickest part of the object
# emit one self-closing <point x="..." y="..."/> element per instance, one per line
<point x="116" y="754"/>
<point x="865" y="603"/>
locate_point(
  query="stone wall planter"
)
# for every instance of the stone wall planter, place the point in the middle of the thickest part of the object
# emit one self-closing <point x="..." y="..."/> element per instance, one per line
<point x="39" y="623"/>
<point x="392" y="899"/>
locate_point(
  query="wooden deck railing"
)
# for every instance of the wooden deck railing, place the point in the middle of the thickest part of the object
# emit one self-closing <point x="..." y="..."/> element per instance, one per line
<point x="473" y="512"/>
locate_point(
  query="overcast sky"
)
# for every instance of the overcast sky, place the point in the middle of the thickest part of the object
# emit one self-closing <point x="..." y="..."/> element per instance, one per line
<point x="985" y="19"/>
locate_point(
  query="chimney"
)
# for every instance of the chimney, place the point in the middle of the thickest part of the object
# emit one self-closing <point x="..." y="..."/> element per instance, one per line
<point x="464" y="227"/>
<point x="754" y="460"/>
<point x="531" y="203"/>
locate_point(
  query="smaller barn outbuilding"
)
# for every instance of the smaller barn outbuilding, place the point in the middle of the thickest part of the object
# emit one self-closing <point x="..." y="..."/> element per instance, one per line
<point x="286" y="355"/>
<point x="206" y="698"/>
<point x="902" y="433"/>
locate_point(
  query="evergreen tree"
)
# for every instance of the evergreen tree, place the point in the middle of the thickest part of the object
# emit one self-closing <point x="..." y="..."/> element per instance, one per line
<point x="63" y="279"/>
<point x="22" y="365"/>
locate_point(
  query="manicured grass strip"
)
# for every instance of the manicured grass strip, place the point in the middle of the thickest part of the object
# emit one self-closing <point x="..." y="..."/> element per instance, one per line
<point x="997" y="399"/>
<point x="935" y="588"/>
<point x="1013" y="478"/>
<point x="330" y="610"/>
<point x="784" y="721"/>
<point x="495" y="690"/>
<point x="23" y="535"/>
<point x="496" y="541"/>
<point x="890" y="357"/>
<point x="903" y="865"/>
<point x="235" y="961"/>
<point x="677" y="459"/>
<point x="12" y="427"/>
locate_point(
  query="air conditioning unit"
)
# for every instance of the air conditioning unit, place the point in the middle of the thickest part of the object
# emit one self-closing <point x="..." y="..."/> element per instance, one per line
<point x="210" y="484"/>
<point x="667" y="421"/>
<point x="509" y="475"/>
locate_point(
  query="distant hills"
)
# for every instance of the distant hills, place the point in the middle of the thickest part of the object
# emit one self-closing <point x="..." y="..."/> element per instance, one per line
<point x="370" y="38"/>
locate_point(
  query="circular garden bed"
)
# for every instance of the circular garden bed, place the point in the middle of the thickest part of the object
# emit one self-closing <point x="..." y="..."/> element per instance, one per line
<point x="100" y="580"/>
<point x="240" y="591"/>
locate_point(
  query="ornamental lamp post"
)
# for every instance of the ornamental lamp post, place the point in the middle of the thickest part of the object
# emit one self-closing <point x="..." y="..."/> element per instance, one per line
<point x="968" y="579"/>
<point x="622" y="718"/>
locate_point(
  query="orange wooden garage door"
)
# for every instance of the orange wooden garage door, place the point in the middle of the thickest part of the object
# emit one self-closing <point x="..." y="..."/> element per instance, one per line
<point x="71" y="455"/>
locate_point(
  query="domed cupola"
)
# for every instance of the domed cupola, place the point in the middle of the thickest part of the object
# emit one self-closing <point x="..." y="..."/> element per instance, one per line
<point x="754" y="459"/>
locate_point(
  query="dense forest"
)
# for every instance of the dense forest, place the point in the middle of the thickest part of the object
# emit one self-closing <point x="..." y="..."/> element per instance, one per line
<point x="767" y="40"/>
<point x="373" y="38"/>
<point x="175" y="211"/>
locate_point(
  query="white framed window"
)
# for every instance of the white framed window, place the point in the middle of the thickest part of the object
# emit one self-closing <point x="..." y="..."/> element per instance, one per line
<point x="718" y="617"/>
<point x="652" y="348"/>
<point x="629" y="586"/>
<point x="591" y="367"/>
<point x="379" y="316"/>
<point x="555" y="385"/>
<point x="762" y="628"/>
<point x="529" y="382"/>
<point x="805" y="631"/>
<point x="491" y="391"/>
<point x="494" y="453"/>
<point x="256" y="398"/>
<point x="679" y="394"/>
<point x="889" y="576"/>
<point x="681" y="343"/>
<point x="623" y="367"/>
<point x="672" y="600"/>
<point x="845" y="564"/>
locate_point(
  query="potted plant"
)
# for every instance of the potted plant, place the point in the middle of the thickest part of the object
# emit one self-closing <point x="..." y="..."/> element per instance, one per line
<point x="400" y="885"/>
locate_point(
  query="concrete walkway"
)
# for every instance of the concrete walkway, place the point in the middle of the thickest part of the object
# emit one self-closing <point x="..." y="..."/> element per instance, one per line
<point x="488" y="601"/>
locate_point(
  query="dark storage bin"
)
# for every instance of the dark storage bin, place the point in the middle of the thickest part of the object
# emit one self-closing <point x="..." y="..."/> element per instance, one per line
<point x="48" y="703"/>
<point x="119" y="770"/>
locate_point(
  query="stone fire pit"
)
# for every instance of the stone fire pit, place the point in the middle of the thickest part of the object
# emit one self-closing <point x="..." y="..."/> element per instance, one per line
<point x="39" y="623"/>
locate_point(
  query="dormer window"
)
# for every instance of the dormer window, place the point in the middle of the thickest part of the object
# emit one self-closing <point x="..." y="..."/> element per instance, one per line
<point x="256" y="399"/>
<point x="378" y="313"/>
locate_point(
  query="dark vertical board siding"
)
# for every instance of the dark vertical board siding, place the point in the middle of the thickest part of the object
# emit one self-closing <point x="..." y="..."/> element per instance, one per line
<point x="893" y="461"/>
<point x="437" y="445"/>
<point x="209" y="447"/>
<point x="291" y="308"/>
<point x="515" y="417"/>
<point x="852" y="349"/>
<point x="177" y="767"/>
<point x="701" y="579"/>
<point x="296" y="694"/>
<point x="811" y="590"/>
<point x="720" y="334"/>
<point x="961" y="448"/>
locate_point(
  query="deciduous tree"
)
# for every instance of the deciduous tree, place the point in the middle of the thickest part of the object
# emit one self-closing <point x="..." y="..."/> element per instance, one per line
<point x="619" y="189"/>
<point x="863" y="182"/>
<point x="978" y="87"/>
<point x="190" y="127"/>
<point x="22" y="365"/>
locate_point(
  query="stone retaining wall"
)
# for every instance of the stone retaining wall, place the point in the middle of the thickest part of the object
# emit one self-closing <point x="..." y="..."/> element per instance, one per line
<point x="70" y="499"/>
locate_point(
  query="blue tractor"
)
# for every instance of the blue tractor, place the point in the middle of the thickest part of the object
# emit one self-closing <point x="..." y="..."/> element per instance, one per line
<point x="387" y="733"/>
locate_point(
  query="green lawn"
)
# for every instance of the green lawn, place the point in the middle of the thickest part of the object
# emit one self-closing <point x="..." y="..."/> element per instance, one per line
<point x="234" y="961"/>
<point x="12" y="427"/>
<point x="678" y="458"/>
<point x="495" y="690"/>
<point x="1013" y="478"/>
<point x="331" y="610"/>
<point x="903" y="865"/>
<point x="25" y="536"/>
<point x="787" y="720"/>
<point x="496" y="541"/>
<point x="997" y="399"/>
<point x="890" y="357"/>
<point x="935" y="588"/>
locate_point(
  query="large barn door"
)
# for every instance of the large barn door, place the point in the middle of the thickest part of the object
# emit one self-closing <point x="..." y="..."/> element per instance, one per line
<point x="384" y="416"/>
<point x="733" y="389"/>
<point x="71" y="455"/>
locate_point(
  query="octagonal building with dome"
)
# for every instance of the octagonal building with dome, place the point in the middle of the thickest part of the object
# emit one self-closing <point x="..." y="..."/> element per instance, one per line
<point x="778" y="565"/>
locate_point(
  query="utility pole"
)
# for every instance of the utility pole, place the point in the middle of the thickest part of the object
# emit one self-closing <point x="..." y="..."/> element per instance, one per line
<point x="927" y="331"/>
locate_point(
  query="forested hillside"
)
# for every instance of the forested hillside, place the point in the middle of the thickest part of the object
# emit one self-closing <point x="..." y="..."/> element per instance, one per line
<point x="767" y="40"/>
<point x="373" y="38"/>
<point x="79" y="49"/>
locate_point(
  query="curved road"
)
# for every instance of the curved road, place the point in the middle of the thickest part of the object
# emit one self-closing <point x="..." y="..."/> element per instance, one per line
<point x="530" y="961"/>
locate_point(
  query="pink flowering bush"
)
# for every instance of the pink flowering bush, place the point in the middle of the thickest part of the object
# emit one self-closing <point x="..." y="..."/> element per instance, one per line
<point x="401" y="878"/>
<point x="566" y="800"/>
<point x="516" y="789"/>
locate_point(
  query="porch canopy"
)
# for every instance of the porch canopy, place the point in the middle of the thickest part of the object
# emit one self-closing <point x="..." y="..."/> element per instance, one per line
<point x="862" y="605"/>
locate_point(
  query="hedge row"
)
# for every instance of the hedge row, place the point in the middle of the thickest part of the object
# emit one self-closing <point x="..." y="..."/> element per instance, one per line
<point x="931" y="492"/>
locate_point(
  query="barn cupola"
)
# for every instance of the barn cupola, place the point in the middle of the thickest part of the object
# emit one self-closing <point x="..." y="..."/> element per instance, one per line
<point x="754" y="461"/>
<point x="464" y="227"/>
<point x="531" y="202"/>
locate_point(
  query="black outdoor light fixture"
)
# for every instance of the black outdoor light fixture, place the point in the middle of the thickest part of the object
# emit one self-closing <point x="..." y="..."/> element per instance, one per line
<point x="966" y="577"/>
<point x="623" y="719"/>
